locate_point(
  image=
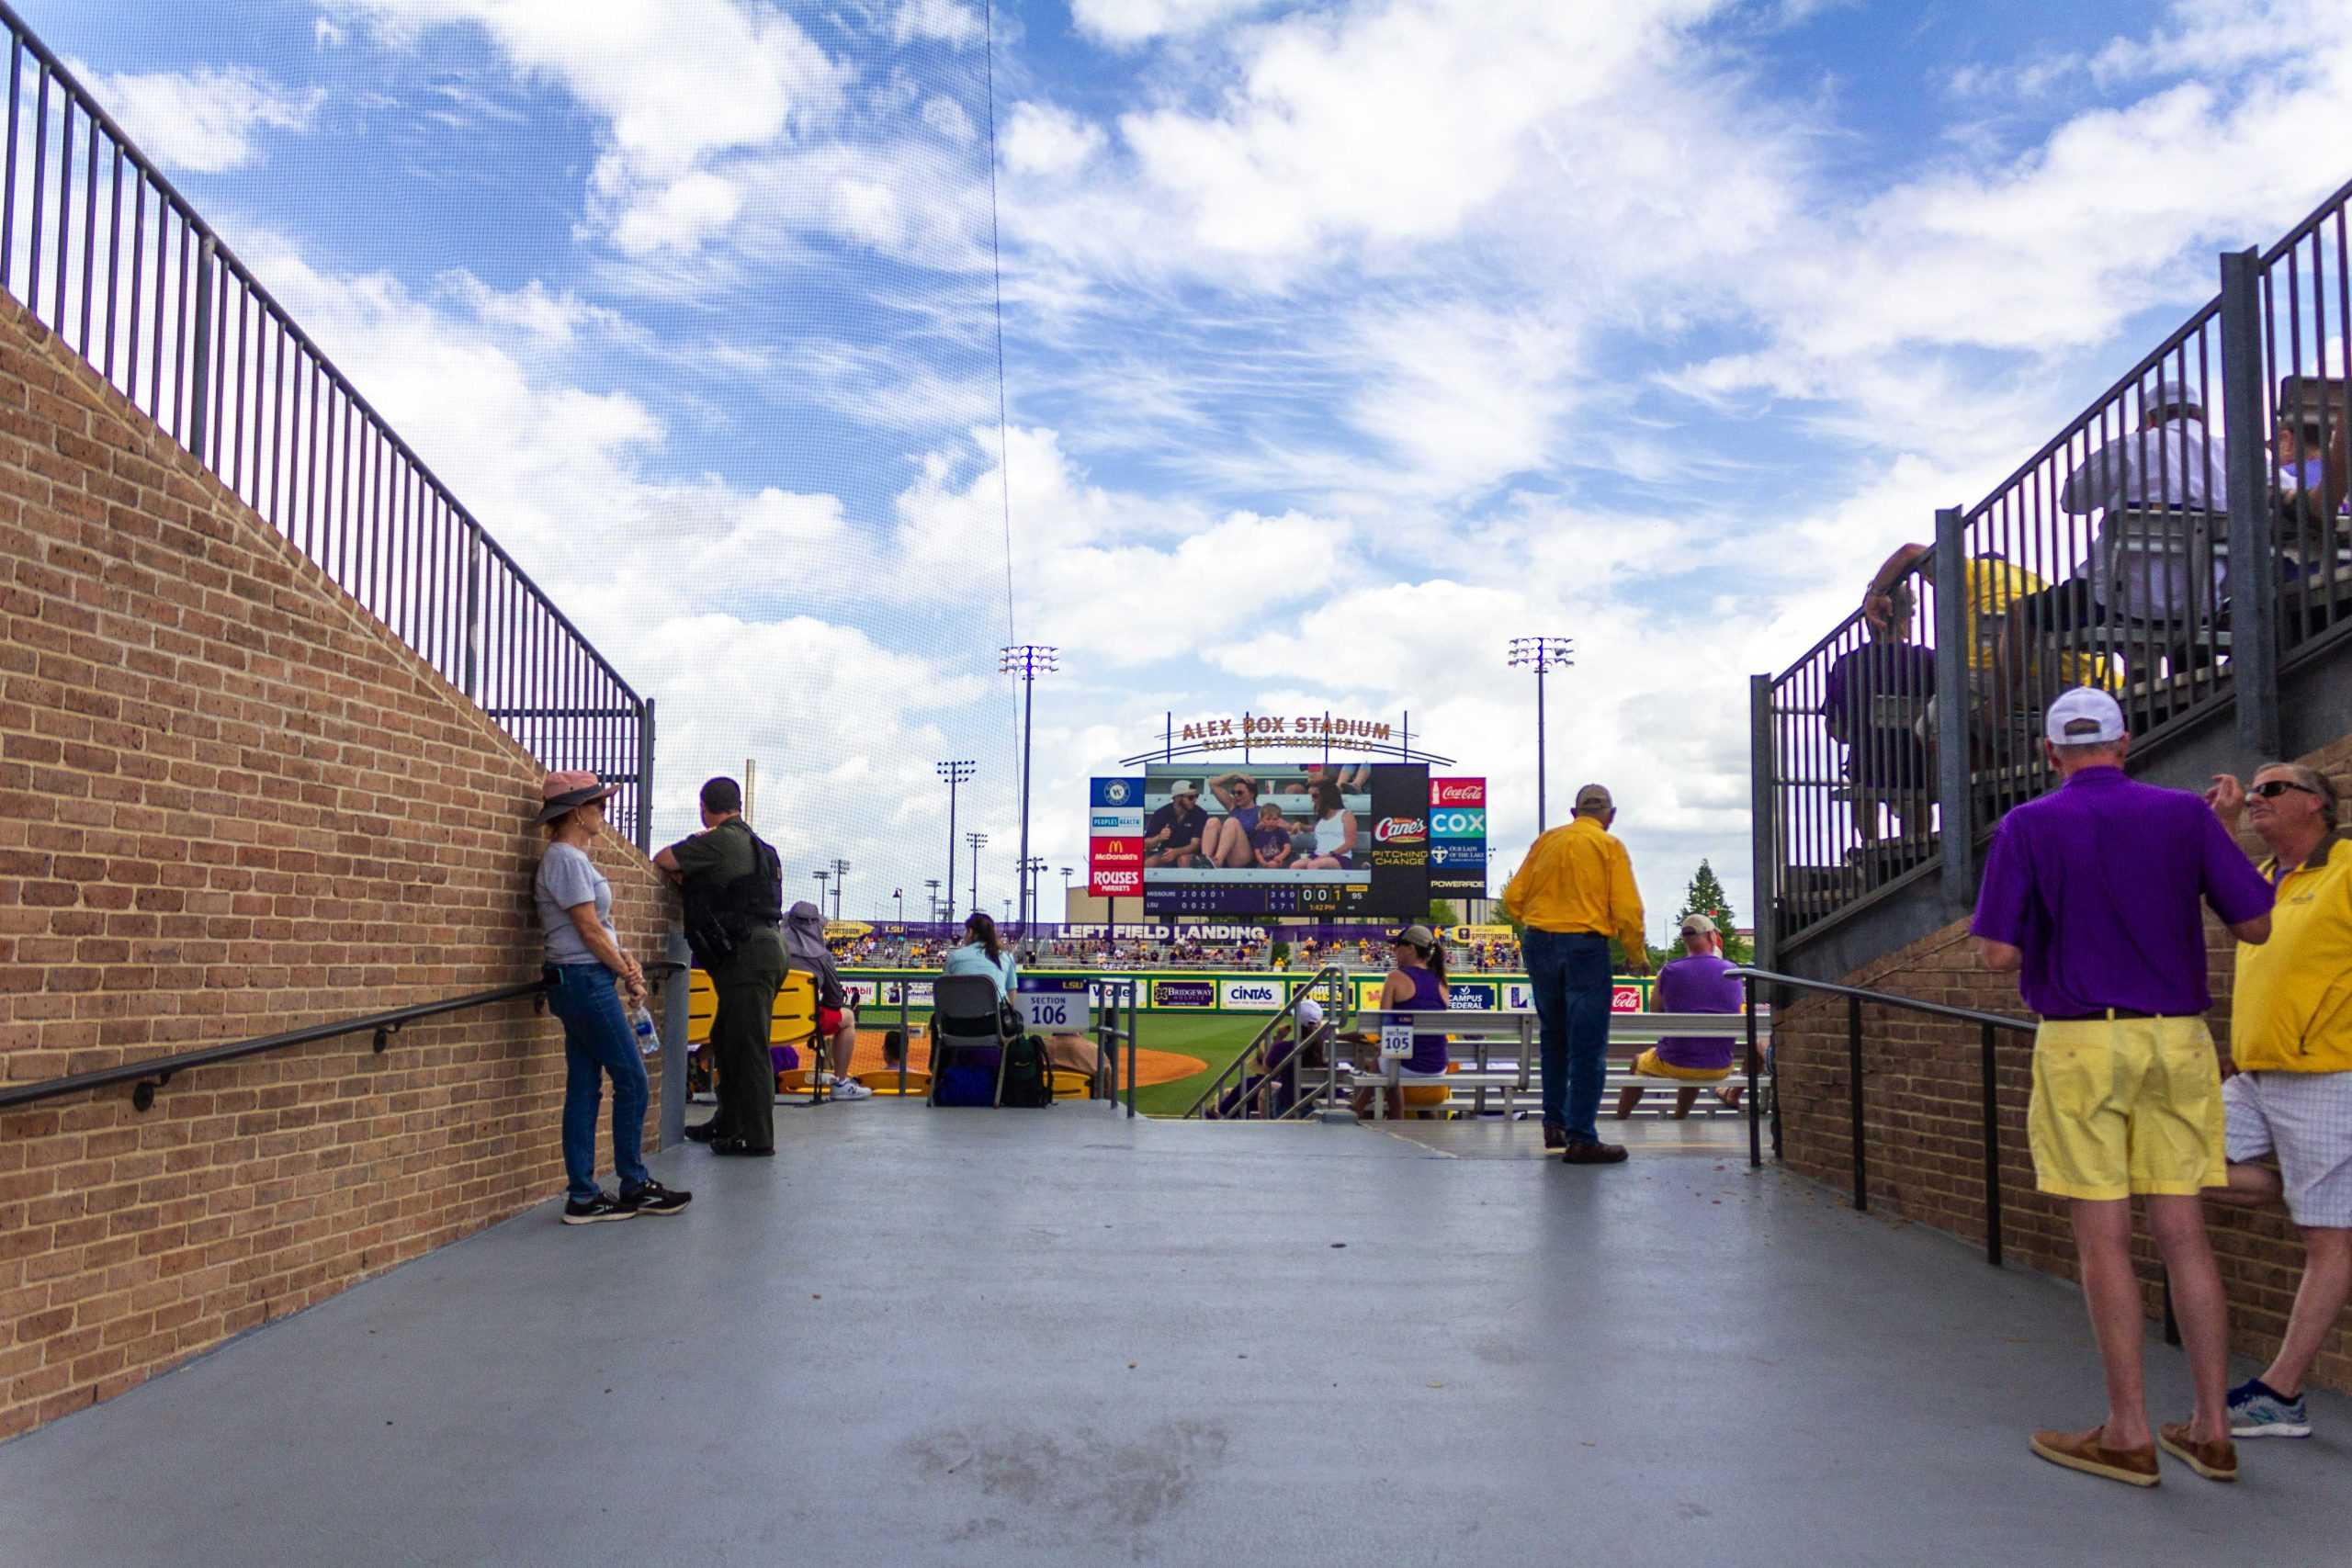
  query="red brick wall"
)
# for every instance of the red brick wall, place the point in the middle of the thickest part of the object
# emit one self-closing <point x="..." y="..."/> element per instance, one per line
<point x="232" y="804"/>
<point x="1922" y="1091"/>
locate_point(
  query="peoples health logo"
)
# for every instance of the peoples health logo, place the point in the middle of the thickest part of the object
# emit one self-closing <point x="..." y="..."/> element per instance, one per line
<point x="1401" y="831"/>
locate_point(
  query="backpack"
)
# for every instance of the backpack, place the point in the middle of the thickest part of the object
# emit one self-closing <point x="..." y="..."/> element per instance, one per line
<point x="1026" y="1081"/>
<point x="717" y="918"/>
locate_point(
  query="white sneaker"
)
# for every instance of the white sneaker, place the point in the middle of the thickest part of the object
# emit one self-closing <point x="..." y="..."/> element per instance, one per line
<point x="851" y="1089"/>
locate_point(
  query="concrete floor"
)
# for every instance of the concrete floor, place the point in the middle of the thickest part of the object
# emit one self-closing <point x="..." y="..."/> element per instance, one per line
<point x="1043" y="1337"/>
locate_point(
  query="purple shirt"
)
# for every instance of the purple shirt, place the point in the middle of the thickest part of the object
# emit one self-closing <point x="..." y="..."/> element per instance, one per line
<point x="1271" y="841"/>
<point x="1698" y="983"/>
<point x="2098" y="883"/>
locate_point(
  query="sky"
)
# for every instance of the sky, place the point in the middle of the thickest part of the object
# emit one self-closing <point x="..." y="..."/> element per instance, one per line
<point x="1340" y="343"/>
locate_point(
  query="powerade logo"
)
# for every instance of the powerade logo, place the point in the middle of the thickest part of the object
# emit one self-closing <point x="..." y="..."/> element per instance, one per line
<point x="1459" y="824"/>
<point x="1401" y="831"/>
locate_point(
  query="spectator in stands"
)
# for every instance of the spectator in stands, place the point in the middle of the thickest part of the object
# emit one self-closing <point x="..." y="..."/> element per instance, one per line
<point x="1573" y="893"/>
<point x="1873" y="700"/>
<point x="836" y="1039"/>
<point x="734" y="889"/>
<point x="893" y="1051"/>
<point x="2169" y="464"/>
<point x="1992" y="582"/>
<point x="2291" y="1040"/>
<point x="1700" y="981"/>
<point x="982" y="952"/>
<point x="1416" y="983"/>
<point x="2092" y="894"/>
<point x="1226" y="840"/>
<point x="1173" y="834"/>
<point x="1269" y="843"/>
<point x="1335" y="829"/>
<point x="591" y="983"/>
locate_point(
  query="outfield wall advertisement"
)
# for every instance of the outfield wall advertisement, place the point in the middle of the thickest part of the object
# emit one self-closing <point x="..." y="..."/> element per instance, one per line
<point x="1252" y="992"/>
<point x="1457" y="838"/>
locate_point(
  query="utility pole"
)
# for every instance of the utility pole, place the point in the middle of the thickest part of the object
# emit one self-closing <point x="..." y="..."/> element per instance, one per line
<point x="841" y="880"/>
<point x="1066" y="871"/>
<point x="1032" y="867"/>
<point x="1541" y="654"/>
<point x="932" y="883"/>
<point x="750" y="777"/>
<point x="955" y="774"/>
<point x="977" y="840"/>
<point x="822" y="875"/>
<point x="1028" y="661"/>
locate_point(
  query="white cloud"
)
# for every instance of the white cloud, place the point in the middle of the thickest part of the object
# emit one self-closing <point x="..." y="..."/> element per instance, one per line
<point x="1130" y="22"/>
<point x="946" y="116"/>
<point x="945" y="21"/>
<point x="1040" y="139"/>
<point x="207" y="120"/>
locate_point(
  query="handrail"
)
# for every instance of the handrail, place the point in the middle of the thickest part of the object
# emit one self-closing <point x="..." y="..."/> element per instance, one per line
<point x="154" y="1072"/>
<point x="1289" y="1009"/>
<point x="1987" y="1023"/>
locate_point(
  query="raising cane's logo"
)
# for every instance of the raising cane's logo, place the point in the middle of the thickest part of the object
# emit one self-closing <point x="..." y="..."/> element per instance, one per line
<point x="1401" y="831"/>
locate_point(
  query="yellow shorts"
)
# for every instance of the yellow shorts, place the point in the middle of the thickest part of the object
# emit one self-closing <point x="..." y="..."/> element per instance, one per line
<point x="2126" y="1105"/>
<point x="1649" y="1066"/>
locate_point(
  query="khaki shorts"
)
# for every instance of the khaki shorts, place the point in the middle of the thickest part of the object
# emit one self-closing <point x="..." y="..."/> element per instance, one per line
<point x="2126" y="1105"/>
<point x="1649" y="1066"/>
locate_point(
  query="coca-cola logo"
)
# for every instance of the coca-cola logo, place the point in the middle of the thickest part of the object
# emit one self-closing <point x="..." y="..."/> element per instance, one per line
<point x="1401" y="831"/>
<point x="1457" y="792"/>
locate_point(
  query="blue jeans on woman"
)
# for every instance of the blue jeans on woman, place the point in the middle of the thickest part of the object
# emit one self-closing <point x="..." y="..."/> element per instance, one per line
<point x="597" y="1040"/>
<point x="1568" y="972"/>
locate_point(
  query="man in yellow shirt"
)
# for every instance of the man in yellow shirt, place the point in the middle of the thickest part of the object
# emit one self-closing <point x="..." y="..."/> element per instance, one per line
<point x="1572" y="894"/>
<point x="2291" y="1039"/>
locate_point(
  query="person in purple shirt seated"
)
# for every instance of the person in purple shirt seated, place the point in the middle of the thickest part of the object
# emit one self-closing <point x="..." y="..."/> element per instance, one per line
<point x="1270" y="840"/>
<point x="1700" y="981"/>
<point x="2093" y="895"/>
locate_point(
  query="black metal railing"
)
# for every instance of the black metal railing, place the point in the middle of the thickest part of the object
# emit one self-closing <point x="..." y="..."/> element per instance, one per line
<point x="1989" y="1025"/>
<point x="2170" y="545"/>
<point x="152" y="1073"/>
<point x="110" y="256"/>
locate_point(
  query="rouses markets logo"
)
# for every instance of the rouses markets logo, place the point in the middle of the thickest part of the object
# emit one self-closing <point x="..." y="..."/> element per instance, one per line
<point x="1401" y="831"/>
<point x="1117" y="881"/>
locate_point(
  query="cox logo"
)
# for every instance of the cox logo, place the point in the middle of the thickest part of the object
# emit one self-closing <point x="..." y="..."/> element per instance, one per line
<point x="1458" y="824"/>
<point x="1401" y="831"/>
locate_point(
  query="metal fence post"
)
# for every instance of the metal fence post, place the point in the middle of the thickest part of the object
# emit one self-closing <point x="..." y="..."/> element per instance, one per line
<point x="645" y="778"/>
<point x="195" y="396"/>
<point x="1954" y="787"/>
<point x="1763" y="791"/>
<point x="2254" y="562"/>
<point x="675" y="991"/>
<point x="470" y="676"/>
<point x="1754" y="1123"/>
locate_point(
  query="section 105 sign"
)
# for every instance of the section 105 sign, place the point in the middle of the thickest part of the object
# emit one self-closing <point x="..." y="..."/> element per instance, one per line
<point x="1115" y="838"/>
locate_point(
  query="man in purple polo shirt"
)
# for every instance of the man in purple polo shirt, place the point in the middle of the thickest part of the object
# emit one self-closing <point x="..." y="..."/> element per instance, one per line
<point x="1700" y="981"/>
<point x="2093" y="893"/>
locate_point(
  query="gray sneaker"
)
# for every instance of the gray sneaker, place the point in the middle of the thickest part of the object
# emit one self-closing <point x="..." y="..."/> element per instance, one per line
<point x="2258" y="1410"/>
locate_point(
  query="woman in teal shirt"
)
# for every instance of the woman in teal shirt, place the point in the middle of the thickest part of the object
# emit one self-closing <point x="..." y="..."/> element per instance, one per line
<point x="980" y="954"/>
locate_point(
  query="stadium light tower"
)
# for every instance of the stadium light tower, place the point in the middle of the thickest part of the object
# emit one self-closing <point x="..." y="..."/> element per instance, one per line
<point x="822" y="876"/>
<point x="1066" y="871"/>
<point x="955" y="774"/>
<point x="1028" y="661"/>
<point x="977" y="841"/>
<point x="1032" y="868"/>
<point x="1543" y="655"/>
<point x="841" y="880"/>
<point x="932" y="883"/>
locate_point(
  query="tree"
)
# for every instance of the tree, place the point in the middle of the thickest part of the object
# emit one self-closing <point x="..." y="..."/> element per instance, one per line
<point x="1705" y="895"/>
<point x="1441" y="915"/>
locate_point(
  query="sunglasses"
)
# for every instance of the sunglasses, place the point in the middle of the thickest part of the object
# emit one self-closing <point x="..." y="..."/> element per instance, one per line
<point x="2273" y="788"/>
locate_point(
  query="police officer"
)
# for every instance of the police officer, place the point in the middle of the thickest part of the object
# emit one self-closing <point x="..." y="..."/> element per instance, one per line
<point x="732" y="885"/>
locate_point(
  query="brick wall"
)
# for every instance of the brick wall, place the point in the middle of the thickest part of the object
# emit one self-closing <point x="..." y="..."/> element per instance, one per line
<point x="232" y="804"/>
<point x="1922" y="1091"/>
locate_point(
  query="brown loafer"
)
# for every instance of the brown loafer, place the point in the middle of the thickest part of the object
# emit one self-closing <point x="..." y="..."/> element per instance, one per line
<point x="1587" y="1151"/>
<point x="2214" y="1460"/>
<point x="2086" y="1453"/>
<point x="1555" y="1135"/>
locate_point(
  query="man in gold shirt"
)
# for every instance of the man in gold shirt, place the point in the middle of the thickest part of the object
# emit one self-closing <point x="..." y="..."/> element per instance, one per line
<point x="1572" y="894"/>
<point x="2291" y="1039"/>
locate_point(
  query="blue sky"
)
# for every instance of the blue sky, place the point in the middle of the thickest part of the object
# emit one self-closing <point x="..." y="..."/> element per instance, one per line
<point x="1343" y="342"/>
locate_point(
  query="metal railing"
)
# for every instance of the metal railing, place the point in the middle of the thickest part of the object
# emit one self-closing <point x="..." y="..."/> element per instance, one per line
<point x="154" y="1072"/>
<point x="1113" y="998"/>
<point x="1332" y="981"/>
<point x="2170" y="545"/>
<point x="110" y="256"/>
<point x="1988" y="1025"/>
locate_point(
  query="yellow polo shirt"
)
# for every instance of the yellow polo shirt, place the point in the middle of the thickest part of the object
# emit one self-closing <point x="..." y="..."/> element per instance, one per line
<point x="1577" y="878"/>
<point x="2292" y="1011"/>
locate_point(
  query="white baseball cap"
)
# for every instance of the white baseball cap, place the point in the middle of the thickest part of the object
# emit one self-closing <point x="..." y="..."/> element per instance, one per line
<point x="2084" y="716"/>
<point x="1184" y="787"/>
<point x="1310" y="1012"/>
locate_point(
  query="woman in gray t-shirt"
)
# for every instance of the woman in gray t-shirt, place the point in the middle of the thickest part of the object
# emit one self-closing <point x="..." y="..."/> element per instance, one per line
<point x="588" y="978"/>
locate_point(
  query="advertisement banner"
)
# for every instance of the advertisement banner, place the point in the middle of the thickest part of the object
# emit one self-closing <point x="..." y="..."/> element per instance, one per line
<point x="1471" y="996"/>
<point x="1457" y="792"/>
<point x="1183" y="993"/>
<point x="1459" y="854"/>
<point x="1457" y="838"/>
<point x="1251" y="996"/>
<point x="1115" y="838"/>
<point x="1459" y="822"/>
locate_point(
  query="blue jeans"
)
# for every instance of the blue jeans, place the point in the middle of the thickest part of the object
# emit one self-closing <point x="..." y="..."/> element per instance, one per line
<point x="597" y="1040"/>
<point x="1570" y="975"/>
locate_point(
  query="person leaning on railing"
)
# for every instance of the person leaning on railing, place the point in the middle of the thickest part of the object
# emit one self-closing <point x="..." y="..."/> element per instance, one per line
<point x="589" y="976"/>
<point x="2291" y="1041"/>
<point x="2093" y="895"/>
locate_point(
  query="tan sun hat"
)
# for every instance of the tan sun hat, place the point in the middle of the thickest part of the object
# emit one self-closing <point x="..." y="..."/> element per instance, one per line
<point x="570" y="790"/>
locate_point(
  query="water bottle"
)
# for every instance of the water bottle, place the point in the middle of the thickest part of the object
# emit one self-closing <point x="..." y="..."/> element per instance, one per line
<point x="647" y="1042"/>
